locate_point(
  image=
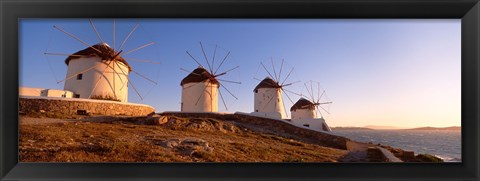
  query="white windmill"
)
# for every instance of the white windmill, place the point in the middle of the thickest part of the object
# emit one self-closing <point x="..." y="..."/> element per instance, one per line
<point x="268" y="101"/>
<point x="307" y="112"/>
<point x="201" y="87"/>
<point x="100" y="71"/>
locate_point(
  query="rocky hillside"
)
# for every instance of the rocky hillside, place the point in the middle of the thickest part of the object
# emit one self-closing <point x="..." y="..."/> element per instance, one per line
<point x="109" y="139"/>
<point x="181" y="137"/>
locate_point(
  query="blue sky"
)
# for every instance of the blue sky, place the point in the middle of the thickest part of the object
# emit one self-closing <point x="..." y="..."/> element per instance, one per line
<point x="403" y="73"/>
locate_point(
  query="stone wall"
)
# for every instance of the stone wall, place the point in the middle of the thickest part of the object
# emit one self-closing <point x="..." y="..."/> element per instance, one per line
<point x="72" y="106"/>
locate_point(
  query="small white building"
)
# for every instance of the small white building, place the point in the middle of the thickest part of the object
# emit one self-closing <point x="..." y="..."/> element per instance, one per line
<point x="56" y="93"/>
<point x="30" y="91"/>
<point x="304" y="114"/>
<point x="199" y="92"/>
<point x="268" y="100"/>
<point x="41" y="92"/>
<point x="98" y="75"/>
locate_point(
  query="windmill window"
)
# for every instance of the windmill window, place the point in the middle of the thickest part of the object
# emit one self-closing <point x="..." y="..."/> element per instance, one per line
<point x="256" y="91"/>
<point x="256" y="110"/>
<point x="82" y="112"/>
<point x="306" y="125"/>
<point x="76" y="96"/>
<point x="79" y="76"/>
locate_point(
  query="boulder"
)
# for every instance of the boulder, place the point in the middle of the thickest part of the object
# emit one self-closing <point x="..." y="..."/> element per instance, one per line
<point x="187" y="146"/>
<point x="428" y="158"/>
<point x="156" y="119"/>
<point x="408" y="155"/>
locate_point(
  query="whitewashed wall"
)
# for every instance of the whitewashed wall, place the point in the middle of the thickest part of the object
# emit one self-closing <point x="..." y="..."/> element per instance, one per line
<point x="315" y="124"/>
<point x="29" y="91"/>
<point x="303" y="114"/>
<point x="204" y="92"/>
<point x="262" y="106"/>
<point x="110" y="84"/>
<point x="56" y="93"/>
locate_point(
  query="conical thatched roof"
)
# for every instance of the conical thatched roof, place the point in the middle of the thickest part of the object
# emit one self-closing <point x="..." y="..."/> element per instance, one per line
<point x="107" y="53"/>
<point x="303" y="103"/>
<point x="267" y="83"/>
<point x="199" y="75"/>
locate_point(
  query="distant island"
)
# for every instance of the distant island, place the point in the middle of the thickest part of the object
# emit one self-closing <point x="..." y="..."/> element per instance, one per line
<point x="384" y="127"/>
<point x="350" y="128"/>
<point x="451" y="128"/>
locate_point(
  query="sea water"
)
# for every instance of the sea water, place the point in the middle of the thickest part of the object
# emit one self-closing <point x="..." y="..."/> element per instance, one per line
<point x="445" y="144"/>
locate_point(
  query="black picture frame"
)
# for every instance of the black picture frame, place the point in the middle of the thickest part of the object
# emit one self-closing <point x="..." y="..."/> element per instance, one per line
<point x="466" y="10"/>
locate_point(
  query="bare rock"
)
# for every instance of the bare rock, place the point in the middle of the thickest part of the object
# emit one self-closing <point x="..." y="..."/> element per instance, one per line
<point x="408" y="155"/>
<point x="201" y="124"/>
<point x="187" y="146"/>
<point x="156" y="119"/>
<point x="171" y="143"/>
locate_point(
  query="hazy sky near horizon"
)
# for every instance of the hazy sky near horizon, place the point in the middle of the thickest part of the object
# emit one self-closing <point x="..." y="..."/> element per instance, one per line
<point x="403" y="73"/>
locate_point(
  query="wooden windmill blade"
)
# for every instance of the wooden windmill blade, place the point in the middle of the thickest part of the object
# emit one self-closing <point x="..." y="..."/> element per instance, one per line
<point x="223" y="100"/>
<point x="317" y="100"/>
<point x="139" y="48"/>
<point x="230" y="81"/>
<point x="144" y="77"/>
<point x="206" y="59"/>
<point x="289" y="91"/>
<point x="318" y="111"/>
<point x="191" y="56"/>
<point x="268" y="72"/>
<point x="96" y="32"/>
<point x="225" y="72"/>
<point x="221" y="63"/>
<point x="318" y="92"/>
<point x="324" y="109"/>
<point x="280" y="72"/>
<point x="291" y="83"/>
<point x="311" y="98"/>
<point x="76" y="38"/>
<point x="128" y="36"/>
<point x="142" y="60"/>
<point x="213" y="57"/>
<point x="288" y="75"/>
<point x="274" y="71"/>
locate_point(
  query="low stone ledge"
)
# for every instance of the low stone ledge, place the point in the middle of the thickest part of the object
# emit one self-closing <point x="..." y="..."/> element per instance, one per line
<point x="387" y="155"/>
<point x="70" y="106"/>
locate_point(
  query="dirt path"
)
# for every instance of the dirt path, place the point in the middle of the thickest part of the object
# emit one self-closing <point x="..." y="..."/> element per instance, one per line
<point x="36" y="121"/>
<point x="358" y="152"/>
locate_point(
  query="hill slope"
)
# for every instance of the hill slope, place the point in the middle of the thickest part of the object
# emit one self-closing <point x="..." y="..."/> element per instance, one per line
<point x="110" y="139"/>
<point x="187" y="137"/>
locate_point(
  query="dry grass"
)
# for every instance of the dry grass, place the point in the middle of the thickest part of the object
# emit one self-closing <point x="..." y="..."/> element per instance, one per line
<point x="180" y="141"/>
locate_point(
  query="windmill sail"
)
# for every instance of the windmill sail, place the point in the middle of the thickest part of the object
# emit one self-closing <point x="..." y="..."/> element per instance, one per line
<point x="99" y="71"/>
<point x="202" y="87"/>
<point x="268" y="94"/>
<point x="307" y="111"/>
